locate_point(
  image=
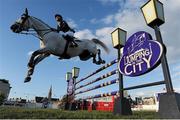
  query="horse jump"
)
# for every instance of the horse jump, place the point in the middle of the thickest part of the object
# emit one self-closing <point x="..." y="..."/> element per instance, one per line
<point x="114" y="81"/>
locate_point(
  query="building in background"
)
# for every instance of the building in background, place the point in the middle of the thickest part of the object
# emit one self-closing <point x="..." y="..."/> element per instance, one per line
<point x="149" y="101"/>
<point x="5" y="87"/>
<point x="47" y="102"/>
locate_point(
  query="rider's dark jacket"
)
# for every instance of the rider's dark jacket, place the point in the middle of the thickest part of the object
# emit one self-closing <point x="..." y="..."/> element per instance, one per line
<point x="64" y="27"/>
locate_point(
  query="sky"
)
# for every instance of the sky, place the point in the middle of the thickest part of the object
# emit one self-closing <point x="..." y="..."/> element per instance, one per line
<point x="90" y="19"/>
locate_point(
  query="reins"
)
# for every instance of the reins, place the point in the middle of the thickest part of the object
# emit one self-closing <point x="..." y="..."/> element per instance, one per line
<point x="35" y="31"/>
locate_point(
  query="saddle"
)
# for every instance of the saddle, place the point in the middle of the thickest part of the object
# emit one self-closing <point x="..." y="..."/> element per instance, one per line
<point x="70" y="40"/>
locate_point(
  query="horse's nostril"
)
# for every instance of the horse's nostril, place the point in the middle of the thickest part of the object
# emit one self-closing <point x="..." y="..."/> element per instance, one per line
<point x="13" y="27"/>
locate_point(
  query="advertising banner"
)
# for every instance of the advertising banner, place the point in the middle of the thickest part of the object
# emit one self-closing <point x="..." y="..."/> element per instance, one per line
<point x="70" y="87"/>
<point x="140" y="55"/>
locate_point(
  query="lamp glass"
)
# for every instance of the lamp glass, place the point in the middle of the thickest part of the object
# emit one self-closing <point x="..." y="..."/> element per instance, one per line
<point x="160" y="10"/>
<point x="118" y="37"/>
<point x="68" y="76"/>
<point x="115" y="38"/>
<point x="75" y="72"/>
<point x="149" y="11"/>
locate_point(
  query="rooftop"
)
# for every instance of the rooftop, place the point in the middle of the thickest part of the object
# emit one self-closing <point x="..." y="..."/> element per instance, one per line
<point x="4" y="81"/>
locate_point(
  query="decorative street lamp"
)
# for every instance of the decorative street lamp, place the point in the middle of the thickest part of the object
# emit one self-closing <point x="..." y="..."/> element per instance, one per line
<point x="153" y="13"/>
<point x="154" y="16"/>
<point x="75" y="72"/>
<point x="121" y="105"/>
<point x="118" y="38"/>
<point x="169" y="104"/>
<point x="68" y="76"/>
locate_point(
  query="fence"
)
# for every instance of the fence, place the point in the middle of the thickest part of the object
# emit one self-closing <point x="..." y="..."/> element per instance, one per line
<point x="114" y="81"/>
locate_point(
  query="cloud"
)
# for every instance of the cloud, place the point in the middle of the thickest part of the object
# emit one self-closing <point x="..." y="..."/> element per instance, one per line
<point x="177" y="89"/>
<point x="30" y="53"/>
<point x="130" y="18"/>
<point x="52" y="56"/>
<point x="107" y="2"/>
<point x="171" y="28"/>
<point x="108" y="19"/>
<point x="84" y="34"/>
<point x="94" y="21"/>
<point x="72" y="23"/>
<point x="104" y="35"/>
<point x="104" y="31"/>
<point x="176" y="74"/>
<point x="140" y="94"/>
<point x="177" y="68"/>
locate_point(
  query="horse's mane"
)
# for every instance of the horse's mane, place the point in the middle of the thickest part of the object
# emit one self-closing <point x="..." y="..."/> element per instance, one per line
<point x="41" y="21"/>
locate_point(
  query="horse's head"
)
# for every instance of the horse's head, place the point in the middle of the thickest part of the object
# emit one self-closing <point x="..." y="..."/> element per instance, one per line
<point x="22" y="24"/>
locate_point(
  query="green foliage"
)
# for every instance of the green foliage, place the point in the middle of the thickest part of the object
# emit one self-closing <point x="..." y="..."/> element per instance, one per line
<point x="24" y="113"/>
<point x="2" y="97"/>
<point x="63" y="102"/>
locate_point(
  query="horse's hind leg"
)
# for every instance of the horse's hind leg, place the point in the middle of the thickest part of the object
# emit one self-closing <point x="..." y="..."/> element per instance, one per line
<point x="100" y="61"/>
<point x="31" y="69"/>
<point x="94" y="59"/>
<point x="99" y="57"/>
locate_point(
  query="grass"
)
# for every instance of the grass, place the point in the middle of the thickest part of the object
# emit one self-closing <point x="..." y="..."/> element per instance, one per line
<point x="27" y="113"/>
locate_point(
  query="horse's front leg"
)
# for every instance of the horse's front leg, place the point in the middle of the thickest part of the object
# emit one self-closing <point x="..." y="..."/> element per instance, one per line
<point x="36" y="61"/>
<point x="34" y="54"/>
<point x="42" y="53"/>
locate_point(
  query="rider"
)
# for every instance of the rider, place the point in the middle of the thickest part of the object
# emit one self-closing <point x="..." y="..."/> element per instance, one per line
<point x="67" y="32"/>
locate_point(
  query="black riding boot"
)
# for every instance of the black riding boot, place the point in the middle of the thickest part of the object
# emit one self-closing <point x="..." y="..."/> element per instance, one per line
<point x="73" y="44"/>
<point x="71" y="39"/>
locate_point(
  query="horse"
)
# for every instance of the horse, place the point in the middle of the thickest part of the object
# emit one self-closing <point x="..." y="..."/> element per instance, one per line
<point x="54" y="43"/>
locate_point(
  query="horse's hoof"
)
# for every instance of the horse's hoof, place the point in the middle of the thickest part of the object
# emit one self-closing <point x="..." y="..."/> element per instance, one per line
<point x="30" y="65"/>
<point x="98" y="63"/>
<point x="103" y="62"/>
<point x="27" y="79"/>
<point x="30" y="71"/>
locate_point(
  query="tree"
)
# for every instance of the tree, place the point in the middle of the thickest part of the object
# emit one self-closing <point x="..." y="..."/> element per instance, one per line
<point x="2" y="97"/>
<point x="63" y="102"/>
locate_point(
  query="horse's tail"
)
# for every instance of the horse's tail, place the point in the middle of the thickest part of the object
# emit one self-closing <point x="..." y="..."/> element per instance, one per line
<point x="96" y="41"/>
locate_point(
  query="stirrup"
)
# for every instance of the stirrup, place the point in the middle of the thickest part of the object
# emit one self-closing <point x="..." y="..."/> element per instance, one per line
<point x="73" y="44"/>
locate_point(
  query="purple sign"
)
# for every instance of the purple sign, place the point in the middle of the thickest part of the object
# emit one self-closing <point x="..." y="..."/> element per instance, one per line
<point x="140" y="55"/>
<point x="70" y="87"/>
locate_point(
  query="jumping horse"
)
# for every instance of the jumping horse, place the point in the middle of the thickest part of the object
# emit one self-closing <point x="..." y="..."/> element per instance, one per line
<point x="52" y="42"/>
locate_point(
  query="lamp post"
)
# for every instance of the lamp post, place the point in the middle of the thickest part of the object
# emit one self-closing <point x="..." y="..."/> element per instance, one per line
<point x="118" y="39"/>
<point x="68" y="78"/>
<point x="169" y="105"/>
<point x="75" y="74"/>
<point x="121" y="105"/>
<point x="154" y="16"/>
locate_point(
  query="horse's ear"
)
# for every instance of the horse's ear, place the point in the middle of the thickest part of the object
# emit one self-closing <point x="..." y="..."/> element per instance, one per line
<point x="26" y="11"/>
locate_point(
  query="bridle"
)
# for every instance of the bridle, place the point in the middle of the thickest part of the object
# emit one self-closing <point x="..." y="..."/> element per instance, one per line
<point x="34" y="30"/>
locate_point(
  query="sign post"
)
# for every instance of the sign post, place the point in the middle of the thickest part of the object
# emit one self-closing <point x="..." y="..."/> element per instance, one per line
<point x="164" y="62"/>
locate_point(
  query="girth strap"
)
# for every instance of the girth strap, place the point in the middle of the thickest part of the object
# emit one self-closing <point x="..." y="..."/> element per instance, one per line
<point x="64" y="54"/>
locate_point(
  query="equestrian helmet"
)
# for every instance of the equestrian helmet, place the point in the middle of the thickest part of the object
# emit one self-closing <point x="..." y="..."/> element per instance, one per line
<point x="58" y="15"/>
